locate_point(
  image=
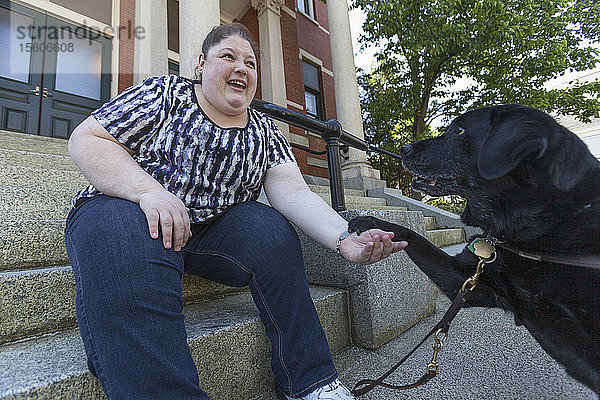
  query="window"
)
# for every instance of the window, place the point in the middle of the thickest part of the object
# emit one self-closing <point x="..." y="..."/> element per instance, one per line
<point x="306" y="7"/>
<point x="173" y="25"/>
<point x="100" y="10"/>
<point x="173" y="68"/>
<point x="313" y="98"/>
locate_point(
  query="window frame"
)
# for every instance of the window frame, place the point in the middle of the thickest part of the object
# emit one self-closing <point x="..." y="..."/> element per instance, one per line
<point x="317" y="93"/>
<point x="310" y="12"/>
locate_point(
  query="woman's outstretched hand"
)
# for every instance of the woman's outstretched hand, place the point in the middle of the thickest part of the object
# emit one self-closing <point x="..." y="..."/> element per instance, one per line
<point x="371" y="246"/>
<point x="164" y="208"/>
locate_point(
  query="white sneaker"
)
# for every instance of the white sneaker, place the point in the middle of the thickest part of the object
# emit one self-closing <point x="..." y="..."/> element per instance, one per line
<point x="332" y="391"/>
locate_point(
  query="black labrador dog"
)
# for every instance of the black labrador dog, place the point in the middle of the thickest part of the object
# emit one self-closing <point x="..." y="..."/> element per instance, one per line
<point x="533" y="186"/>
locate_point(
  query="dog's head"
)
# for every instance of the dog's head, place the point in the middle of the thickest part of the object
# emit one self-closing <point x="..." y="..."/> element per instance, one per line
<point x="490" y="153"/>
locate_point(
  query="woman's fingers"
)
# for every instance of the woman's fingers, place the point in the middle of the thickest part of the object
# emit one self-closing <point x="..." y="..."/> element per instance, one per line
<point x="372" y="246"/>
<point x="166" y="227"/>
<point x="181" y="231"/>
<point x="167" y="211"/>
<point x="152" y="216"/>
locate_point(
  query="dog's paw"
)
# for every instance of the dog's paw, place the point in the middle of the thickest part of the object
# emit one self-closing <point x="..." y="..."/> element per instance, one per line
<point x="362" y="224"/>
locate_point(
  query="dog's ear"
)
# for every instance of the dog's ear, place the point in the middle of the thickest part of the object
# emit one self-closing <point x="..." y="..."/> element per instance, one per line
<point x="512" y="137"/>
<point x="569" y="166"/>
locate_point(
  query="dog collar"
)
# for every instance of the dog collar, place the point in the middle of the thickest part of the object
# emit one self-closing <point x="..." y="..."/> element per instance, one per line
<point x="592" y="262"/>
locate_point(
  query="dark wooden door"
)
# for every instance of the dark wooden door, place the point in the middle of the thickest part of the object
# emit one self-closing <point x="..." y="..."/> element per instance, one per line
<point x="58" y="73"/>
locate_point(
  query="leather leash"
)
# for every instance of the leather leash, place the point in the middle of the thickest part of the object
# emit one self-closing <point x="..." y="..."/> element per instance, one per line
<point x="485" y="251"/>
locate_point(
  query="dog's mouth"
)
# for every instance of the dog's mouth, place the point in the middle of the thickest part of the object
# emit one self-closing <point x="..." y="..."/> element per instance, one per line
<point x="433" y="186"/>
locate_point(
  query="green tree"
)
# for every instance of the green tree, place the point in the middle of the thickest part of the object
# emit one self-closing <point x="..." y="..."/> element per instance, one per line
<point x="508" y="48"/>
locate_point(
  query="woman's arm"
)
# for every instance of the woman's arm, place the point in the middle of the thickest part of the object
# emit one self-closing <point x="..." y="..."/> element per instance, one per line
<point x="288" y="193"/>
<point x="109" y="166"/>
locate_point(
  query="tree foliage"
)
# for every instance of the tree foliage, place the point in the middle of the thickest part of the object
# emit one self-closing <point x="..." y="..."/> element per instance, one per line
<point x="508" y="49"/>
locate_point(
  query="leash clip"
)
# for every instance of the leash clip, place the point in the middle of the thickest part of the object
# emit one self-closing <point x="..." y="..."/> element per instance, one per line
<point x="484" y="249"/>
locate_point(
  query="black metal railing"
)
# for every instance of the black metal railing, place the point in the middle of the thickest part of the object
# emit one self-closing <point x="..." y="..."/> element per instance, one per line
<point x="331" y="131"/>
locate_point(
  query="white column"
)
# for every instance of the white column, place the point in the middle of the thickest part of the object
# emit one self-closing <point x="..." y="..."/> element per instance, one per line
<point x="151" y="48"/>
<point x="196" y="19"/>
<point x="347" y="102"/>
<point x="272" y="74"/>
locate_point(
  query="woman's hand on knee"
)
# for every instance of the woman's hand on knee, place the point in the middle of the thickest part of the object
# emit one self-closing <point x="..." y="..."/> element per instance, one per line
<point x="164" y="208"/>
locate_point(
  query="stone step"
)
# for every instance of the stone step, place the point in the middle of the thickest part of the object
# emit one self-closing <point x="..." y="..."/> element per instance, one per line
<point x="41" y="301"/>
<point x="42" y="178"/>
<point x="36" y="160"/>
<point x="39" y="144"/>
<point x="446" y="237"/>
<point x="430" y="223"/>
<point x="347" y="192"/>
<point x="356" y="200"/>
<point x="32" y="244"/>
<point x="18" y="203"/>
<point x="226" y="339"/>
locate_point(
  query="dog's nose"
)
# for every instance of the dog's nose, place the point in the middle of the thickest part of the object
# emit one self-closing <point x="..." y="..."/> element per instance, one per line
<point x="406" y="150"/>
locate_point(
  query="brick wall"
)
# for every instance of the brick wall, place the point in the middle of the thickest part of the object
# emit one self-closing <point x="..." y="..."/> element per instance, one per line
<point x="126" y="42"/>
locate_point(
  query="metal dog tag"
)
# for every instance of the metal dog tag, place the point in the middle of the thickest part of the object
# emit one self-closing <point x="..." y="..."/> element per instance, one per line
<point x="482" y="248"/>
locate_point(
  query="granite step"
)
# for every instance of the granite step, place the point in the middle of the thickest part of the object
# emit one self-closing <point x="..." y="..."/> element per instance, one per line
<point x="32" y="222"/>
<point x="39" y="144"/>
<point x="225" y="336"/>
<point x="19" y="203"/>
<point x="42" y="178"/>
<point x="446" y="237"/>
<point x="36" y="160"/>
<point x="430" y="223"/>
<point x="42" y="301"/>
<point x="347" y="192"/>
<point x="32" y="244"/>
<point x="357" y="200"/>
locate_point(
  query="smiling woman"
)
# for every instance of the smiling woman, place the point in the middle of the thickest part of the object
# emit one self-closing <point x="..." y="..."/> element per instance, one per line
<point x="176" y="167"/>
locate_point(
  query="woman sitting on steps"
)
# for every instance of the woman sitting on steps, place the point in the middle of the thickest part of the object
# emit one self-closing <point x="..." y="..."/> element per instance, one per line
<point x="176" y="167"/>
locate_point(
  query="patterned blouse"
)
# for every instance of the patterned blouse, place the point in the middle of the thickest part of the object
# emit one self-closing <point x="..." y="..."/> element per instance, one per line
<point x="210" y="168"/>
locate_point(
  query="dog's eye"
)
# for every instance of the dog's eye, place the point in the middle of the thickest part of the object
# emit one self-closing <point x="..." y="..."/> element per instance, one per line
<point x="460" y="130"/>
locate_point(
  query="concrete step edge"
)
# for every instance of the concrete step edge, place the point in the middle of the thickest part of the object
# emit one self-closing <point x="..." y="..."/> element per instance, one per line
<point x="430" y="223"/>
<point x="355" y="199"/>
<point x="226" y="339"/>
<point x="32" y="243"/>
<point x="21" y="135"/>
<point x="42" y="178"/>
<point x="20" y="141"/>
<point x="39" y="301"/>
<point x="31" y="158"/>
<point x="326" y="189"/>
<point x="446" y="237"/>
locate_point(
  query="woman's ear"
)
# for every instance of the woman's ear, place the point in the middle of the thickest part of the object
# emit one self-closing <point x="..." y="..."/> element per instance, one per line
<point x="201" y="62"/>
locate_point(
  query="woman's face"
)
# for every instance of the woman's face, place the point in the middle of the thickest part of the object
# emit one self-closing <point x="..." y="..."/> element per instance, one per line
<point x="229" y="75"/>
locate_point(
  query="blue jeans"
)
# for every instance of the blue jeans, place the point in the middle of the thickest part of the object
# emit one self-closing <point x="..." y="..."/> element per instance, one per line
<point x="129" y="302"/>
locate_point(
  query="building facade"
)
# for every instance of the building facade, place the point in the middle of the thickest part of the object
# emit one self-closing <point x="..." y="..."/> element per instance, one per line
<point x="63" y="58"/>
